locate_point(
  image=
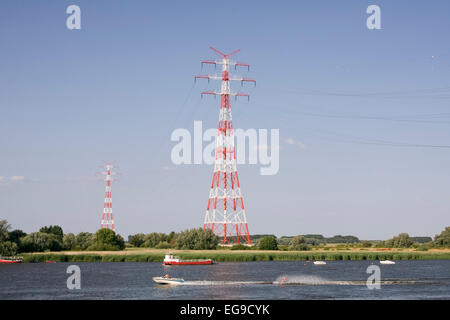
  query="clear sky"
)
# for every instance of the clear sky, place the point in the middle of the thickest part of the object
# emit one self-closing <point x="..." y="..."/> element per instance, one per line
<point x="364" y="115"/>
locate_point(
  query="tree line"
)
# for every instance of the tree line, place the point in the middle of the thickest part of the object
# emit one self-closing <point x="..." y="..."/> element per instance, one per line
<point x="190" y="239"/>
<point x="52" y="238"/>
<point x="308" y="242"/>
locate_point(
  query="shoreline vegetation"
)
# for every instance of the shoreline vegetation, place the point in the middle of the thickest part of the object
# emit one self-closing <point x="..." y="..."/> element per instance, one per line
<point x="157" y="255"/>
<point x="50" y="243"/>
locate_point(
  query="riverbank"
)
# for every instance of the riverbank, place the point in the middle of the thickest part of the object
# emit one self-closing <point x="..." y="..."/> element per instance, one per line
<point x="157" y="255"/>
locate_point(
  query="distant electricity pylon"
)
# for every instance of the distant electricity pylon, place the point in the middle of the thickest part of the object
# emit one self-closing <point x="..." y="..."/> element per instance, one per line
<point x="225" y="213"/>
<point x="107" y="217"/>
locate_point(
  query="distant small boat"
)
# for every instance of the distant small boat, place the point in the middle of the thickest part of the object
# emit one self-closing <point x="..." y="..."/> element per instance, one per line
<point x="50" y="261"/>
<point x="164" y="280"/>
<point x="387" y="262"/>
<point x="11" y="259"/>
<point x="319" y="263"/>
<point x="170" y="260"/>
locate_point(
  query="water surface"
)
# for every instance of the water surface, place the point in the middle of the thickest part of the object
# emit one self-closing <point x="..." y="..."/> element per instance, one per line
<point x="235" y="280"/>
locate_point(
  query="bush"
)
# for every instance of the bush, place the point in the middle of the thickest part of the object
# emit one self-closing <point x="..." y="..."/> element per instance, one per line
<point x="401" y="241"/>
<point x="39" y="242"/>
<point x="137" y="240"/>
<point x="151" y="240"/>
<point x="84" y="240"/>
<point x="4" y="230"/>
<point x="298" y="243"/>
<point x="55" y="230"/>
<point x="268" y="243"/>
<point x="106" y="239"/>
<point x="8" y="248"/>
<point x="197" y="239"/>
<point x="443" y="239"/>
<point x="69" y="242"/>
<point x="15" y="235"/>
<point x="163" y="245"/>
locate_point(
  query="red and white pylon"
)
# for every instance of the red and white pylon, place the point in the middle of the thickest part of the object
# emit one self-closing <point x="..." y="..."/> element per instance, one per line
<point x="225" y="213"/>
<point x="107" y="216"/>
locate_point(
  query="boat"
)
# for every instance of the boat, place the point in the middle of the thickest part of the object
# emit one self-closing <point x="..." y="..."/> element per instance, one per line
<point x="50" y="261"/>
<point x="171" y="260"/>
<point x="319" y="263"/>
<point x="168" y="280"/>
<point x="387" y="262"/>
<point x="11" y="259"/>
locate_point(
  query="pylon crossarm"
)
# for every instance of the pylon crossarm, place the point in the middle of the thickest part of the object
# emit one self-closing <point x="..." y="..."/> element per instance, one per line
<point x="213" y="93"/>
<point x="242" y="80"/>
<point x="241" y="64"/>
<point x="209" y="62"/>
<point x="236" y="95"/>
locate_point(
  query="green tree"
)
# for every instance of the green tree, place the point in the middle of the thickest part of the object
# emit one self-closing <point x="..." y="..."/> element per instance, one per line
<point x="69" y="242"/>
<point x="84" y="240"/>
<point x="163" y="245"/>
<point x="106" y="239"/>
<point x="40" y="241"/>
<point x="197" y="239"/>
<point x="207" y="240"/>
<point x="120" y="242"/>
<point x="8" y="248"/>
<point x="401" y="241"/>
<point x="56" y="230"/>
<point x="298" y="243"/>
<point x="268" y="243"/>
<point x="15" y="236"/>
<point x="171" y="238"/>
<point x="4" y="230"/>
<point x="153" y="239"/>
<point x="443" y="239"/>
<point x="137" y="240"/>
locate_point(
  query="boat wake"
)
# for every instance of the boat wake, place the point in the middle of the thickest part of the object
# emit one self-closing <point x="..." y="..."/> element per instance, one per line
<point x="302" y="281"/>
<point x="224" y="283"/>
<point x="317" y="281"/>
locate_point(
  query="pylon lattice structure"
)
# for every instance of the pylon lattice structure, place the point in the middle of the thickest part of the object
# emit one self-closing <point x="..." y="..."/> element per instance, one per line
<point x="225" y="213"/>
<point x="107" y="216"/>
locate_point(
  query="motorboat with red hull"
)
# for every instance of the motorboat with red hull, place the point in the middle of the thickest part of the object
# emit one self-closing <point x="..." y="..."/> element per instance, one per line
<point x="11" y="259"/>
<point x="171" y="260"/>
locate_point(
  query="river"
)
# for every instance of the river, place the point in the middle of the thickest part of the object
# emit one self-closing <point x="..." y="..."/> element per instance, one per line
<point x="412" y="279"/>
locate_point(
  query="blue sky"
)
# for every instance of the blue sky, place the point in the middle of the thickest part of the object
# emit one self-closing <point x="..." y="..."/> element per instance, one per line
<point x="117" y="88"/>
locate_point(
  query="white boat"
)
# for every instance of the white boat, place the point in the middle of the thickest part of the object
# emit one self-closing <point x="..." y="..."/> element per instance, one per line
<point x="171" y="260"/>
<point x="319" y="263"/>
<point x="387" y="262"/>
<point x="164" y="280"/>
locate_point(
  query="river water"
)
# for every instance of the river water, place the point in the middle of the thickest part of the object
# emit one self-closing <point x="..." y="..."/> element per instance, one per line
<point x="234" y="280"/>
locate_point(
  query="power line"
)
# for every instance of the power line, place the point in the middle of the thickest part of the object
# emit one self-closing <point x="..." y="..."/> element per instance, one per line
<point x="443" y="92"/>
<point x="362" y="117"/>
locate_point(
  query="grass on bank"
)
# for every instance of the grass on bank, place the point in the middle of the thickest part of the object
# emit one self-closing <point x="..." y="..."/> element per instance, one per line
<point x="154" y="255"/>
